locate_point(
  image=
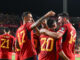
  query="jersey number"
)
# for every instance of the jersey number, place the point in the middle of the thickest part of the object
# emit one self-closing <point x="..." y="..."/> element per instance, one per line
<point x="5" y="43"/>
<point x="21" y="39"/>
<point x="46" y="44"/>
<point x="72" y="39"/>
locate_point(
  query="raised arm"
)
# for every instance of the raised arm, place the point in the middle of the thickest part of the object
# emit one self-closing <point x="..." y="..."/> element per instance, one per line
<point x="38" y="22"/>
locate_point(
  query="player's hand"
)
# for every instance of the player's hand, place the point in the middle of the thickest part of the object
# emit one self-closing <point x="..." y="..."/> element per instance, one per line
<point x="50" y="13"/>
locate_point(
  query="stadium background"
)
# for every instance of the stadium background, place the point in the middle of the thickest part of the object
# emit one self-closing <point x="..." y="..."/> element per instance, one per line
<point x="11" y="10"/>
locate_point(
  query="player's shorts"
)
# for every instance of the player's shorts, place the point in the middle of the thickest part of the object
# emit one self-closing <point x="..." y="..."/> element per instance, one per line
<point x="31" y="58"/>
<point x="17" y="56"/>
<point x="36" y="57"/>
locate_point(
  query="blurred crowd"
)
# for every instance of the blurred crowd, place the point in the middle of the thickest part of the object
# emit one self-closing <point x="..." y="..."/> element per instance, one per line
<point x="9" y="21"/>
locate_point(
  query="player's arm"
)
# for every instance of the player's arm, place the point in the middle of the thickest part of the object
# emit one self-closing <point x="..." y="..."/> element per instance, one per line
<point x="13" y="47"/>
<point x="38" y="22"/>
<point x="52" y="34"/>
<point x="17" y="45"/>
<point x="62" y="54"/>
<point x="57" y="34"/>
<point x="44" y="25"/>
<point x="37" y="31"/>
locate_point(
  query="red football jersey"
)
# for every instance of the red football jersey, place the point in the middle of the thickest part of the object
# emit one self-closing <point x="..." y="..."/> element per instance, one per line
<point x="68" y="42"/>
<point x="24" y="39"/>
<point x="36" y="42"/>
<point x="6" y="44"/>
<point x="48" y="48"/>
<point x="17" y="56"/>
<point x="33" y="42"/>
<point x="58" y="47"/>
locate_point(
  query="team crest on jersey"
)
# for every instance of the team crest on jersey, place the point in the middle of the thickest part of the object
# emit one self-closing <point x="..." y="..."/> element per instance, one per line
<point x="62" y="28"/>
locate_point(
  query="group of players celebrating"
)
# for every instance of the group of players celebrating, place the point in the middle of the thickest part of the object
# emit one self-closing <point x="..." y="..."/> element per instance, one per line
<point x="54" y="41"/>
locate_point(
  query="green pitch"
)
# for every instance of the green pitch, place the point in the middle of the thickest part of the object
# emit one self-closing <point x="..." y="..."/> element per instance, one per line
<point x="77" y="58"/>
<point x="13" y="58"/>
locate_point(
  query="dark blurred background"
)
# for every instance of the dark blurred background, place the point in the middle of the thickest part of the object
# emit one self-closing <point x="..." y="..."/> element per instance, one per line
<point x="39" y="7"/>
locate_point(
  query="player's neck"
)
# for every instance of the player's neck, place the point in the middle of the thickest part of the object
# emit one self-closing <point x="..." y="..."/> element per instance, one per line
<point x="66" y="22"/>
<point x="24" y="22"/>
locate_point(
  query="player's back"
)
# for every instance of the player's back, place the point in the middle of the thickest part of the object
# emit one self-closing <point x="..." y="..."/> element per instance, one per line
<point x="6" y="44"/>
<point x="69" y="40"/>
<point x="24" y="39"/>
<point x="48" y="48"/>
<point x="58" y="47"/>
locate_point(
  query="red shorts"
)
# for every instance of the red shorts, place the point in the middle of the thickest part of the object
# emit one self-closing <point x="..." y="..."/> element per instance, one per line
<point x="6" y="55"/>
<point x="17" y="56"/>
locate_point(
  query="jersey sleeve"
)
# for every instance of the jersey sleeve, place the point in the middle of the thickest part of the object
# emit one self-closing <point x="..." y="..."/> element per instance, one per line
<point x="62" y="30"/>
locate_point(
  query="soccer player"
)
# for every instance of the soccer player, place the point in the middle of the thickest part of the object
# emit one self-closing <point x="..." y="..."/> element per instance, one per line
<point x="24" y="35"/>
<point x="47" y="43"/>
<point x="68" y="34"/>
<point x="6" y="45"/>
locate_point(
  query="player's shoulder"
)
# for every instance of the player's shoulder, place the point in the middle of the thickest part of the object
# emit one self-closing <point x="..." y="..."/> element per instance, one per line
<point x="20" y="28"/>
<point x="68" y="26"/>
<point x="12" y="36"/>
<point x="5" y="36"/>
<point x="9" y="36"/>
<point x="42" y="35"/>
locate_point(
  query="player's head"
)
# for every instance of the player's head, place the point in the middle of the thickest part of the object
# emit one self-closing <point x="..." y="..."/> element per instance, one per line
<point x="6" y="30"/>
<point x="27" y="16"/>
<point x="52" y="24"/>
<point x="44" y="23"/>
<point x="63" y="17"/>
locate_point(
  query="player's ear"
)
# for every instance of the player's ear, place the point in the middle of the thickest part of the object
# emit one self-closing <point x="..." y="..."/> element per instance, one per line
<point x="64" y="19"/>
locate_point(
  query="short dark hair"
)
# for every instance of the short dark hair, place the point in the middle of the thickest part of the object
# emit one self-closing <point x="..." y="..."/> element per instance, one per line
<point x="50" y="22"/>
<point x="25" y="14"/>
<point x="64" y="14"/>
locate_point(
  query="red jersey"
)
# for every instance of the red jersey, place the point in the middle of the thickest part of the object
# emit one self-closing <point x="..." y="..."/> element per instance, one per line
<point x="36" y="42"/>
<point x="68" y="42"/>
<point x="6" y="44"/>
<point x="24" y="39"/>
<point x="48" y="48"/>
<point x="33" y="42"/>
<point x="58" y="47"/>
